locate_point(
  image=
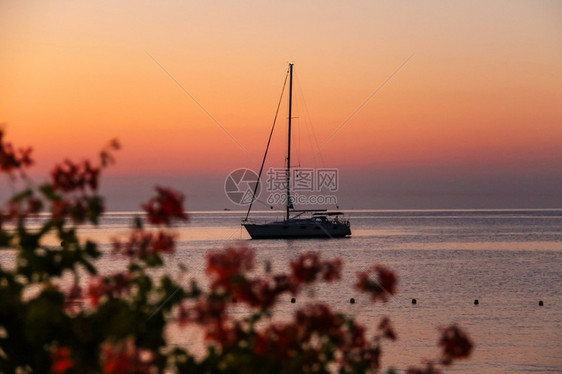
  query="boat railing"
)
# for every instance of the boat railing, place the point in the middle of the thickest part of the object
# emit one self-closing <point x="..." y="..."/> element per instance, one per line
<point x="337" y="220"/>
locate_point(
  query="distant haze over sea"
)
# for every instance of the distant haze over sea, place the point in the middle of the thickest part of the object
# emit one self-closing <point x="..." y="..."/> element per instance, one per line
<point x="384" y="191"/>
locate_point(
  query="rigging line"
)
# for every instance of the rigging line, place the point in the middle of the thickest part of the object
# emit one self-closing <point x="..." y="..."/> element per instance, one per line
<point x="301" y="119"/>
<point x="366" y="101"/>
<point x="309" y="124"/>
<point x="267" y="147"/>
<point x="200" y="106"/>
<point x="297" y="127"/>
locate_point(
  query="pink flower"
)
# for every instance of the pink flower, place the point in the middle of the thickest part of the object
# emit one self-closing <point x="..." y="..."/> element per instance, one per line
<point x="69" y="176"/>
<point x="227" y="266"/>
<point x="72" y="302"/>
<point x="11" y="160"/>
<point x="308" y="267"/>
<point x="205" y="311"/>
<point x="279" y="340"/>
<point x="143" y="244"/>
<point x="386" y="328"/>
<point x="61" y="360"/>
<point x="455" y="344"/>
<point x="378" y="281"/>
<point x="167" y="205"/>
<point x="126" y="358"/>
<point x="318" y="318"/>
<point x="112" y="286"/>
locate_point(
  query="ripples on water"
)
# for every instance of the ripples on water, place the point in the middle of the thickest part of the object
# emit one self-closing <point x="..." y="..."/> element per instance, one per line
<point x="508" y="260"/>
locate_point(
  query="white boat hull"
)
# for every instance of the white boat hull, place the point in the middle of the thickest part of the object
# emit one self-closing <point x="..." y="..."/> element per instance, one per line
<point x="292" y="229"/>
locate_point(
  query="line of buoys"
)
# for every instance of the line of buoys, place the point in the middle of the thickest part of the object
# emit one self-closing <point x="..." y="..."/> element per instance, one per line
<point x="414" y="301"/>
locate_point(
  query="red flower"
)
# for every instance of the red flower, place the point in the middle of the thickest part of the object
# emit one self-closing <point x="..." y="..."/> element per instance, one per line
<point x="73" y="298"/>
<point x="69" y="177"/>
<point x="372" y="355"/>
<point x="34" y="205"/>
<point x="163" y="242"/>
<point x="382" y="285"/>
<point x="386" y="328"/>
<point x="261" y="344"/>
<point x="256" y="292"/>
<point x="59" y="210"/>
<point x="355" y="337"/>
<point x="96" y="290"/>
<point x="115" y="285"/>
<point x="308" y="267"/>
<point x="332" y="270"/>
<point x="125" y="358"/>
<point x="318" y="318"/>
<point x="225" y="267"/>
<point x="61" y="360"/>
<point x="10" y="159"/>
<point x="205" y="311"/>
<point x="143" y="244"/>
<point x="279" y="340"/>
<point x="455" y="344"/>
<point x="167" y="205"/>
<point x="228" y="335"/>
<point x="78" y="208"/>
<point x="283" y="283"/>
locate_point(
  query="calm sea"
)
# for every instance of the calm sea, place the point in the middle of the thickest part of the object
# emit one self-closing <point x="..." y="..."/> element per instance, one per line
<point x="508" y="260"/>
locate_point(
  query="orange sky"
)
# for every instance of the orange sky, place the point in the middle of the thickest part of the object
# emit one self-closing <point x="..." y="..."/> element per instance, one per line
<point x="482" y="89"/>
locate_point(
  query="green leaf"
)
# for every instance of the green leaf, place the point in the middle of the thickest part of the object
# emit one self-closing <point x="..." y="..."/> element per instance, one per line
<point x="17" y="198"/>
<point x="95" y="208"/>
<point x="91" y="249"/>
<point x="137" y="222"/>
<point x="49" y="192"/>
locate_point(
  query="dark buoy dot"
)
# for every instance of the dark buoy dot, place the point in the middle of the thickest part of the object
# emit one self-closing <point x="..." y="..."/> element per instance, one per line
<point x="541" y="303"/>
<point x="414" y="301"/>
<point x="476" y="302"/>
<point x="352" y="301"/>
<point x="293" y="300"/>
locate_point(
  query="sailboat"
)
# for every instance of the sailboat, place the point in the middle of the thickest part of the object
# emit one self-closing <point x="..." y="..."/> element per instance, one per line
<point x="321" y="223"/>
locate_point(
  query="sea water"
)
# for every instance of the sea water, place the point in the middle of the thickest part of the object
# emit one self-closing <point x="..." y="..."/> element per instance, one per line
<point x="507" y="260"/>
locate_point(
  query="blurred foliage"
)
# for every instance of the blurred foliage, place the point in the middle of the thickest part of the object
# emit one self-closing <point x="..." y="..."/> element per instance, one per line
<point x="117" y="323"/>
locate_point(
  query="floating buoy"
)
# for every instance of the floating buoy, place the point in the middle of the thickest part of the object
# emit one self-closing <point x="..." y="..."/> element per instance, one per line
<point x="476" y="302"/>
<point x="541" y="303"/>
<point x="293" y="300"/>
<point x="352" y="301"/>
<point x="414" y="301"/>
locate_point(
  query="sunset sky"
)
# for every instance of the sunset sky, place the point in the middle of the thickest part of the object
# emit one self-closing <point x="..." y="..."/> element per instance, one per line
<point x="471" y="116"/>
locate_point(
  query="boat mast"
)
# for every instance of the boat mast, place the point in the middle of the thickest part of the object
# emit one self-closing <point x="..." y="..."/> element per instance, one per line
<point x="289" y="204"/>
